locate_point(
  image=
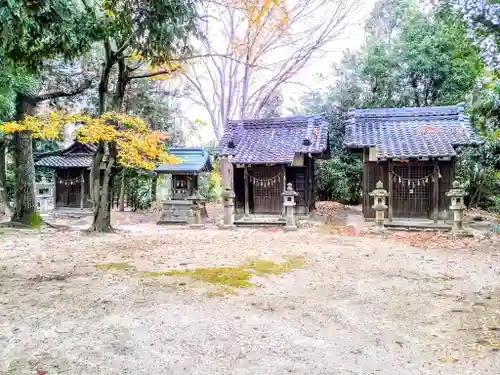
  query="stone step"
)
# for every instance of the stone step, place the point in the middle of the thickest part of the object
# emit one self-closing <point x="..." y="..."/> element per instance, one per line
<point x="260" y="222"/>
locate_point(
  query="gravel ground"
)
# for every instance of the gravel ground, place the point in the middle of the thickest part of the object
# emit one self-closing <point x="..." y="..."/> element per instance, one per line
<point x="359" y="306"/>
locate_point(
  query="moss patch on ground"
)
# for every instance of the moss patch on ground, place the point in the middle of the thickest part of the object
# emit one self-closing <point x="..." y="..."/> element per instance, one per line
<point x="34" y="220"/>
<point x="115" y="266"/>
<point x="239" y="276"/>
<point x="226" y="279"/>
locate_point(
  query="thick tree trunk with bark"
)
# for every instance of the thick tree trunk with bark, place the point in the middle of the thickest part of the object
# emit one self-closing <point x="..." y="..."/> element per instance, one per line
<point x="24" y="210"/>
<point x="4" y="200"/>
<point x="101" y="186"/>
<point x="25" y="204"/>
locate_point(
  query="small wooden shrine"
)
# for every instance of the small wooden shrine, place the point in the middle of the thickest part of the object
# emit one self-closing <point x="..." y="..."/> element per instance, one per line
<point x="259" y="157"/>
<point x="413" y="152"/>
<point x="184" y="182"/>
<point x="71" y="167"/>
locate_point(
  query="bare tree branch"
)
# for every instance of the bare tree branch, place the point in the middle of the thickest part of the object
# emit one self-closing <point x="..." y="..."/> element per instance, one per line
<point x="153" y="74"/>
<point x="248" y="63"/>
<point x="63" y="94"/>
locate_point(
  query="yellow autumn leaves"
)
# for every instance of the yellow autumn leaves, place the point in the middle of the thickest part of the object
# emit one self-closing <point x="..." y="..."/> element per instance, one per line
<point x="258" y="9"/>
<point x="138" y="146"/>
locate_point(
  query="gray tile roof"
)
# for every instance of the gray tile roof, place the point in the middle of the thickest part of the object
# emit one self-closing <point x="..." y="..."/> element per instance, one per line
<point x="77" y="155"/>
<point x="410" y="132"/>
<point x="192" y="160"/>
<point x="274" y="140"/>
<point x="56" y="161"/>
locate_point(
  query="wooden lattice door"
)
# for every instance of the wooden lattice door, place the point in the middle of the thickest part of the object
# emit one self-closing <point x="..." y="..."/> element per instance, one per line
<point x="266" y="187"/>
<point x="412" y="191"/>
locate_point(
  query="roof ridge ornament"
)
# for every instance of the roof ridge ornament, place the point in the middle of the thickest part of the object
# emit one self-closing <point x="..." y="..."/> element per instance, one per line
<point x="307" y="141"/>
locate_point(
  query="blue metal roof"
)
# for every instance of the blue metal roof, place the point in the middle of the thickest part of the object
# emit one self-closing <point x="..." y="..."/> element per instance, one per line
<point x="192" y="160"/>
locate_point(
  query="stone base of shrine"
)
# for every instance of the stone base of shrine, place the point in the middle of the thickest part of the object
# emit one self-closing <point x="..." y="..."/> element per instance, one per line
<point x="417" y="225"/>
<point x="255" y="220"/>
<point x="176" y="211"/>
<point x="227" y="227"/>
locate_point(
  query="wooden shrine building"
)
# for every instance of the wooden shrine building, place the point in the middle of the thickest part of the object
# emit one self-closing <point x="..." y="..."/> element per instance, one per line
<point x="71" y="168"/>
<point x="192" y="162"/>
<point x="413" y="152"/>
<point x="260" y="156"/>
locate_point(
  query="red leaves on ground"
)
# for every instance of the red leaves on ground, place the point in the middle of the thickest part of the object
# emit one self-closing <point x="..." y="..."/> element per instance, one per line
<point x="41" y="372"/>
<point x="272" y="229"/>
<point x="433" y="240"/>
<point x="350" y="231"/>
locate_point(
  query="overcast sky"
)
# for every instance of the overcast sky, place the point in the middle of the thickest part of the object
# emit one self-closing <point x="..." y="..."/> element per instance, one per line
<point x="351" y="39"/>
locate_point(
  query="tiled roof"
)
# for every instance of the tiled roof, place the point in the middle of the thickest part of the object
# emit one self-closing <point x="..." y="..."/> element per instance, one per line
<point x="77" y="155"/>
<point x="410" y="132"/>
<point x="192" y="160"/>
<point x="70" y="161"/>
<point x="274" y="140"/>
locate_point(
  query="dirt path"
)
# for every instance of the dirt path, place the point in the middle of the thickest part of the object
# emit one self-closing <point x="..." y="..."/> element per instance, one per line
<point x="359" y="306"/>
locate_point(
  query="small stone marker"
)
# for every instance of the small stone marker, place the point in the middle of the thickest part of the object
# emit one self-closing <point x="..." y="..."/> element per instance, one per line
<point x="228" y="202"/>
<point x="289" y="203"/>
<point x="379" y="195"/>
<point x="194" y="214"/>
<point x="457" y="195"/>
<point x="44" y="193"/>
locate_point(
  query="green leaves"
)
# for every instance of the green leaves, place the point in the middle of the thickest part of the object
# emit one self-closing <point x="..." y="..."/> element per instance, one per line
<point x="11" y="81"/>
<point x="412" y="58"/>
<point x="33" y="31"/>
<point x="158" y="30"/>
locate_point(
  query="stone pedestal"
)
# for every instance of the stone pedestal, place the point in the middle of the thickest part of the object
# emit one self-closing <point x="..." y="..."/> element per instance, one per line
<point x="379" y="195"/>
<point x="457" y="195"/>
<point x="289" y="204"/>
<point x="194" y="213"/>
<point x="228" y="202"/>
<point x="44" y="192"/>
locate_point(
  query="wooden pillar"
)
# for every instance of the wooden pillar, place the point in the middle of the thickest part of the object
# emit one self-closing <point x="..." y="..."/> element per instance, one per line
<point x="55" y="176"/>
<point x="172" y="186"/>
<point x="283" y="170"/>
<point x="224" y="171"/>
<point x="390" y="182"/>
<point x="82" y="190"/>
<point x="247" y="203"/>
<point x="307" y="183"/>
<point x="435" y="193"/>
<point x="195" y="182"/>
<point x="230" y="171"/>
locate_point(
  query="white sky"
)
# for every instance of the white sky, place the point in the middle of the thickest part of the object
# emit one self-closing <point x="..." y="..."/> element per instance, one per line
<point x="351" y="39"/>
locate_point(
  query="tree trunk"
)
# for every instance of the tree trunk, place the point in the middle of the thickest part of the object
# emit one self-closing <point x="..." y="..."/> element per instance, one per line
<point x="154" y="184"/>
<point x="24" y="198"/>
<point x="122" y="192"/>
<point x="24" y="209"/>
<point x="101" y="187"/>
<point x="121" y="85"/>
<point x="4" y="200"/>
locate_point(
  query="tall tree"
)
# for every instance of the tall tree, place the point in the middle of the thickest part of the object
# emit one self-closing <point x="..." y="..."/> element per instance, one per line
<point x="250" y="58"/>
<point x="409" y="58"/>
<point x="31" y="33"/>
<point x="143" y="39"/>
<point x="425" y="59"/>
<point x="135" y="144"/>
<point x="483" y="19"/>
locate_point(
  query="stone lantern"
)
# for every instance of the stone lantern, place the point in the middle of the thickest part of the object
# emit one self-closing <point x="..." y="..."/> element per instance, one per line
<point x="228" y="202"/>
<point x="457" y="195"/>
<point x="194" y="214"/>
<point x="379" y="195"/>
<point x="289" y="203"/>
